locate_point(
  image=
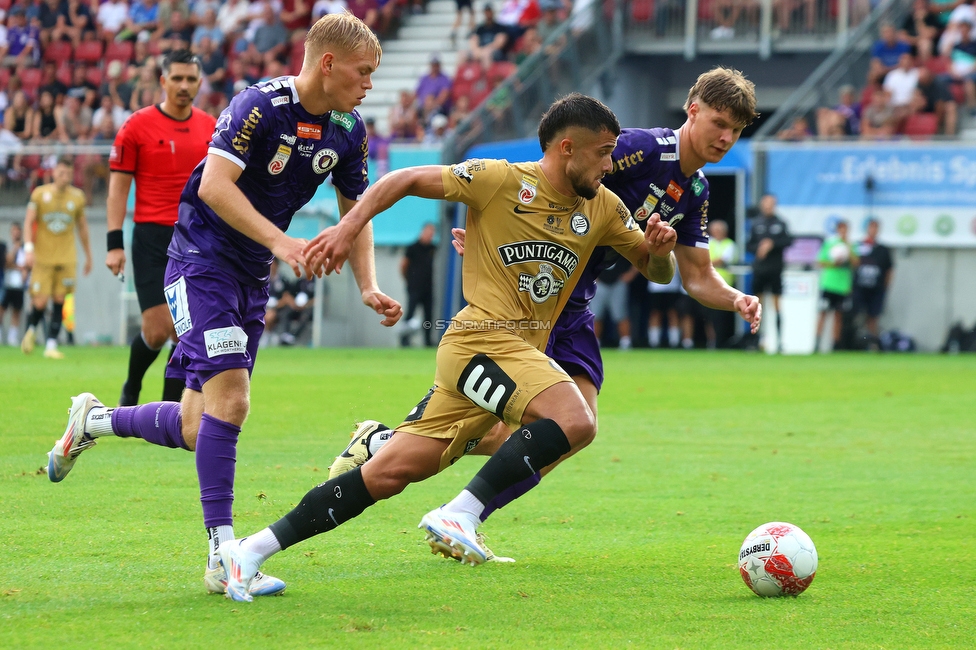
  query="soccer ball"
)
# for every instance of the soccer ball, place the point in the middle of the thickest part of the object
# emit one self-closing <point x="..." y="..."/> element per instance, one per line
<point x="840" y="254"/>
<point x="778" y="559"/>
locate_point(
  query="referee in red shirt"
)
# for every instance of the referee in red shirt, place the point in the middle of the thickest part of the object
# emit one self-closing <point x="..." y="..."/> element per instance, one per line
<point x="158" y="146"/>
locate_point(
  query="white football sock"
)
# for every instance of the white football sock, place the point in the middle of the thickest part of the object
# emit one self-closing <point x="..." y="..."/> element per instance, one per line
<point x="264" y="543"/>
<point x="377" y="439"/>
<point x="216" y="535"/>
<point x="654" y="336"/>
<point x="674" y="336"/>
<point x="98" y="422"/>
<point x="467" y="503"/>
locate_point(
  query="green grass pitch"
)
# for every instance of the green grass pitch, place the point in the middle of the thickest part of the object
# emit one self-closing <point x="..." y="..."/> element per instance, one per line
<point x="632" y="543"/>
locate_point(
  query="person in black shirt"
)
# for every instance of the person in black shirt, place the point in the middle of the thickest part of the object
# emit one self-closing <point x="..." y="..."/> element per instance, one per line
<point x="417" y="268"/>
<point x="872" y="278"/>
<point x="768" y="239"/>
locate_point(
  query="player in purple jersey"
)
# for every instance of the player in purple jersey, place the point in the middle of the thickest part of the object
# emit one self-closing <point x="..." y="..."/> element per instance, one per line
<point x="655" y="171"/>
<point x="272" y="148"/>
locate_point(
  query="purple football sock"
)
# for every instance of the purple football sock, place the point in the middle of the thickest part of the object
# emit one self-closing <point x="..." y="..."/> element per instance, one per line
<point x="508" y="495"/>
<point x="157" y="422"/>
<point x="216" y="458"/>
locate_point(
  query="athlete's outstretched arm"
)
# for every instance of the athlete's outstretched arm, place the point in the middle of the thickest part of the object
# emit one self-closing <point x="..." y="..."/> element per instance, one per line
<point x="363" y="262"/>
<point x="705" y="285"/>
<point x="218" y="189"/>
<point x="331" y="247"/>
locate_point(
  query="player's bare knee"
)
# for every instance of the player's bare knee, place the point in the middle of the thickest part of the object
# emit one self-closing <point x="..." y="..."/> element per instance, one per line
<point x="578" y="425"/>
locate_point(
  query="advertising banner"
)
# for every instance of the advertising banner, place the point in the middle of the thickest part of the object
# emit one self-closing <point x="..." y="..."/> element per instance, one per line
<point x="923" y="194"/>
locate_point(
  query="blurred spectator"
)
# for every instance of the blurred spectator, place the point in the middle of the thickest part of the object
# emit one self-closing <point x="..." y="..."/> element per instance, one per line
<point x="901" y="84"/>
<point x="146" y="90"/>
<point x="208" y="29"/>
<point x="921" y="30"/>
<point x="296" y="14"/>
<point x="4" y="44"/>
<point x="379" y="148"/>
<point x="886" y="51"/>
<point x="289" y="308"/>
<point x="459" y="111"/>
<point x="611" y="297"/>
<point x="78" y="20"/>
<point x="435" y="85"/>
<point x="15" y="273"/>
<point x="952" y="34"/>
<point x="837" y="259"/>
<point x="82" y="87"/>
<point x="933" y="96"/>
<point x="531" y="44"/>
<point x="108" y="118"/>
<point x="786" y="9"/>
<point x="199" y="8"/>
<point x="18" y="119"/>
<point x="878" y="118"/>
<point x="273" y="70"/>
<point x="462" y="6"/>
<point x="178" y="36"/>
<point x="417" y="269"/>
<point x="52" y="12"/>
<point x="962" y="66"/>
<point x="119" y="90"/>
<point x="517" y="15"/>
<point x="719" y="325"/>
<point x="872" y="279"/>
<point x="769" y="237"/>
<point x="76" y="118"/>
<point x="726" y="14"/>
<point x="143" y="16"/>
<point x="489" y="39"/>
<point x="366" y="11"/>
<point x="168" y="9"/>
<point x="842" y="120"/>
<point x="46" y="126"/>
<point x="324" y="7"/>
<point x="23" y="46"/>
<point x="438" y="130"/>
<point x="797" y="131"/>
<point x="110" y="18"/>
<point x="140" y="50"/>
<point x="232" y="18"/>
<point x="50" y="81"/>
<point x="404" y="118"/>
<point x="212" y="62"/>
<point x="271" y="38"/>
<point x="669" y="302"/>
<point x="238" y="77"/>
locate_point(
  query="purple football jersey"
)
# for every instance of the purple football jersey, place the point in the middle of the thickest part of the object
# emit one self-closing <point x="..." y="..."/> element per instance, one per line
<point x="647" y="177"/>
<point x="285" y="153"/>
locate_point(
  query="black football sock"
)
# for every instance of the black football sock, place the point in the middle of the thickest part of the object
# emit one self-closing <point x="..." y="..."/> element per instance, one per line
<point x="323" y="508"/>
<point x="173" y="386"/>
<point x="36" y="315"/>
<point x="54" y="327"/>
<point x="526" y="451"/>
<point x="141" y="356"/>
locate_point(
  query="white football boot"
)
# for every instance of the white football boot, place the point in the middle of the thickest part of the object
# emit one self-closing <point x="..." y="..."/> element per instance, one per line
<point x="62" y="458"/>
<point x="454" y="535"/>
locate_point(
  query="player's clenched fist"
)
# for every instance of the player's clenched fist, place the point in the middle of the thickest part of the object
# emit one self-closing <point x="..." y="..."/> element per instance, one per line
<point x="661" y="236"/>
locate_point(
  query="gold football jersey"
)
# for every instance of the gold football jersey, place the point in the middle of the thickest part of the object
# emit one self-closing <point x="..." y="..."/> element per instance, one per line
<point x="526" y="244"/>
<point x="57" y="212"/>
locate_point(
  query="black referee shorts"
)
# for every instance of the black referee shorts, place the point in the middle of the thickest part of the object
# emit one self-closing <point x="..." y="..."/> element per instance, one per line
<point x="149" y="244"/>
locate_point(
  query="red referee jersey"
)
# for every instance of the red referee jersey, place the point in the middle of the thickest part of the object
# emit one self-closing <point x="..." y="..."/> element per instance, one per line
<point x="160" y="152"/>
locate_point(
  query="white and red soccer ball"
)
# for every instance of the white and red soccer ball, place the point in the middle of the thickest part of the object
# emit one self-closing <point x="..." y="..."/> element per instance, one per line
<point x="778" y="559"/>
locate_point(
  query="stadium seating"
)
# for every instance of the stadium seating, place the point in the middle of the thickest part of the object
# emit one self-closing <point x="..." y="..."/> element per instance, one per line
<point x="119" y="51"/>
<point x="30" y="79"/>
<point x="58" y="51"/>
<point x="921" y="126"/>
<point x="89" y="52"/>
<point x="642" y="11"/>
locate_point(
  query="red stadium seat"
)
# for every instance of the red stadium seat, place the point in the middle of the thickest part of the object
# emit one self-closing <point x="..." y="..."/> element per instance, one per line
<point x="642" y="11"/>
<point x="5" y="4"/>
<point x="94" y="76"/>
<point x="65" y="70"/>
<point x="500" y="71"/>
<point x="30" y="79"/>
<point x="958" y="93"/>
<point x="705" y="10"/>
<point x="921" y="126"/>
<point x="89" y="52"/>
<point x="117" y="51"/>
<point x="938" y="64"/>
<point x="4" y="77"/>
<point x="57" y="51"/>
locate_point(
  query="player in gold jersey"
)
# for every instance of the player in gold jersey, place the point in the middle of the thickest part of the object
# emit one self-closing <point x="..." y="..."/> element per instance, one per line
<point x="530" y="230"/>
<point x="55" y="213"/>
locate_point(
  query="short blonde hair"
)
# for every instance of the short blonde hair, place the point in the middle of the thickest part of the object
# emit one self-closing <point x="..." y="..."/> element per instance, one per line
<point x="725" y="89"/>
<point x="342" y="32"/>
